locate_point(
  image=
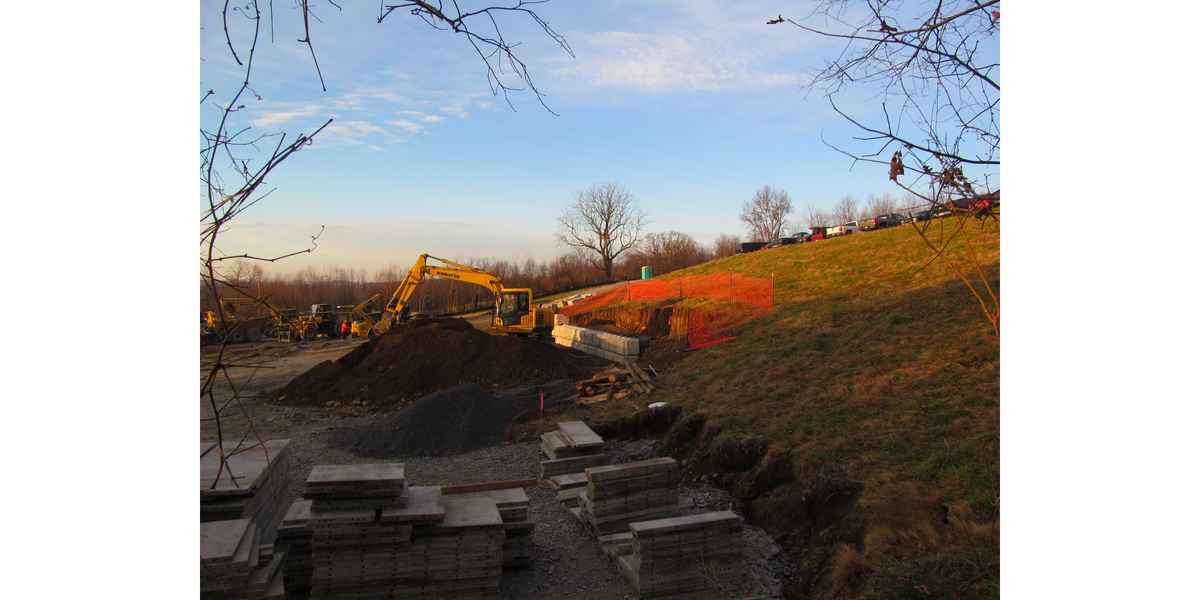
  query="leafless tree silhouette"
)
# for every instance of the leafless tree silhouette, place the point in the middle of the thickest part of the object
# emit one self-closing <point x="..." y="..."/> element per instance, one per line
<point x="605" y="219"/>
<point x="935" y="68"/>
<point x="235" y="162"/>
<point x="766" y="214"/>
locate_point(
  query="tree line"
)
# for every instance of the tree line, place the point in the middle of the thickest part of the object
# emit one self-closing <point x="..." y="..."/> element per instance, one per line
<point x="602" y="231"/>
<point x="341" y="286"/>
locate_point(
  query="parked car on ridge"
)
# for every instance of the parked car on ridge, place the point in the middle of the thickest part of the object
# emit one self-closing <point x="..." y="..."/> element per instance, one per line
<point x="843" y="229"/>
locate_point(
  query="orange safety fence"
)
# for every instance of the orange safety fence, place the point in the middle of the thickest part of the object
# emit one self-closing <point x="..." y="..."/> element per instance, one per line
<point x="751" y="298"/>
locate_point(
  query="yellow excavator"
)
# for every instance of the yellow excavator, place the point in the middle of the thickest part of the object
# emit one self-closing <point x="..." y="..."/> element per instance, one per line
<point x="514" y="312"/>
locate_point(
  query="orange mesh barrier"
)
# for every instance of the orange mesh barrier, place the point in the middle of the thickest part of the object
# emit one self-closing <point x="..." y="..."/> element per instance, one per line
<point x="614" y="296"/>
<point x="749" y="298"/>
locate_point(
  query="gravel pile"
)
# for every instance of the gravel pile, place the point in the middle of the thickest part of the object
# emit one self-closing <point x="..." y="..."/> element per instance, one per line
<point x="453" y="421"/>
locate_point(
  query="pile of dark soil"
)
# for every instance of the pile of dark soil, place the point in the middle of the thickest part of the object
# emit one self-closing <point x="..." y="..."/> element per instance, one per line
<point x="460" y="419"/>
<point x="424" y="356"/>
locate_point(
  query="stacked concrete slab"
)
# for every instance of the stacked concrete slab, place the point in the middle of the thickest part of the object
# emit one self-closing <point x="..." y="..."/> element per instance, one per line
<point x="348" y="538"/>
<point x="364" y="533"/>
<point x="618" y="495"/>
<point x="460" y="557"/>
<point x="681" y="554"/>
<point x="236" y="565"/>
<point x="257" y="489"/>
<point x="294" y="541"/>
<point x="513" y="506"/>
<point x="571" y="449"/>
<point x="609" y="346"/>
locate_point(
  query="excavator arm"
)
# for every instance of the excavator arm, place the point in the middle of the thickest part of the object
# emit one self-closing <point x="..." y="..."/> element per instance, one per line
<point x="397" y="307"/>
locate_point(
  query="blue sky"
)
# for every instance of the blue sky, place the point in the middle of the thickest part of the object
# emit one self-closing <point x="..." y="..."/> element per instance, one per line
<point x="692" y="106"/>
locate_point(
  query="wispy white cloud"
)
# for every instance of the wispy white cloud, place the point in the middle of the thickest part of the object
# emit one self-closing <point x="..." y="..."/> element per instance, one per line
<point x="276" y="118"/>
<point x="408" y="126"/>
<point x="669" y="62"/>
<point x="420" y="115"/>
<point x="348" y="132"/>
<point x="375" y="148"/>
<point x="456" y="110"/>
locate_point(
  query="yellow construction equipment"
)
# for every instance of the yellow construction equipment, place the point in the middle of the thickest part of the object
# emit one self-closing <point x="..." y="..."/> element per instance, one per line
<point x="513" y="313"/>
<point x="281" y="318"/>
<point x="365" y="327"/>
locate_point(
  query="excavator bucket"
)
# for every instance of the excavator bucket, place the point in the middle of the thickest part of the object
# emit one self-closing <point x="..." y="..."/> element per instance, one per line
<point x="385" y="323"/>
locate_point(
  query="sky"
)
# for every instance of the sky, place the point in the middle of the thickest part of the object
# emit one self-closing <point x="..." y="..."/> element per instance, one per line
<point x="691" y="106"/>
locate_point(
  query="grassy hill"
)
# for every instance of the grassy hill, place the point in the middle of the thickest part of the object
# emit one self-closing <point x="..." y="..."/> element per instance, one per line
<point x="859" y="421"/>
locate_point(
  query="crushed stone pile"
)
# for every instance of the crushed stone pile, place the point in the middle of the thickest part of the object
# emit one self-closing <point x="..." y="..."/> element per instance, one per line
<point x="460" y="419"/>
<point x="423" y="356"/>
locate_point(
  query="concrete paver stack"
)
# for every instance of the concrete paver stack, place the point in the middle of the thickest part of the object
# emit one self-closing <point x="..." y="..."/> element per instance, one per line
<point x="257" y="488"/>
<point x="294" y="541"/>
<point x="236" y="565"/>
<point x="365" y="533"/>
<point x="681" y="554"/>
<point x="513" y="506"/>
<point x="618" y="495"/>
<point x="571" y="449"/>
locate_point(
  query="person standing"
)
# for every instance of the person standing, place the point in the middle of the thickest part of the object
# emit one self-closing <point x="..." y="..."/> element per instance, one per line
<point x="345" y="329"/>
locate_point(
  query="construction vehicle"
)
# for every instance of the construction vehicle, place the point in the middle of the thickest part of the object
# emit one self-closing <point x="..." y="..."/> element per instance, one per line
<point x="204" y="330"/>
<point x="513" y="313"/>
<point x="234" y="329"/>
<point x="324" y="320"/>
<point x="366" y="326"/>
<point x="286" y="319"/>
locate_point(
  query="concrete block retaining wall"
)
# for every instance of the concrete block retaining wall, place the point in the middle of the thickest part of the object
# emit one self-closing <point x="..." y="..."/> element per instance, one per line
<point x="611" y="346"/>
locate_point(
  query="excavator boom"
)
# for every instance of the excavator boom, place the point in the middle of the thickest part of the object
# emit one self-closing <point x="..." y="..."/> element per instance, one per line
<point x="513" y="310"/>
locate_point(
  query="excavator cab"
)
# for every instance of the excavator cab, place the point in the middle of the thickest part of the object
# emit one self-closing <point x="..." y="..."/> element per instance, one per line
<point x="513" y="305"/>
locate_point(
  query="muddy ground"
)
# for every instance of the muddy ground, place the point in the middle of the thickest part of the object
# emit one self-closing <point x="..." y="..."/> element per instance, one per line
<point x="567" y="560"/>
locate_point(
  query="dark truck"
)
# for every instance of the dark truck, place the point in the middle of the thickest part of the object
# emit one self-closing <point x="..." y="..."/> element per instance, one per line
<point x="881" y="222"/>
<point x="745" y="247"/>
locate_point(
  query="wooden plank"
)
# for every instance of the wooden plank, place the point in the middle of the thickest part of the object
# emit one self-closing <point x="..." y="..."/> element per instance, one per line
<point x="484" y="487"/>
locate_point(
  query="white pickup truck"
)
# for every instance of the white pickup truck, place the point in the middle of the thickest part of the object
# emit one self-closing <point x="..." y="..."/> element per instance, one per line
<point x="845" y="229"/>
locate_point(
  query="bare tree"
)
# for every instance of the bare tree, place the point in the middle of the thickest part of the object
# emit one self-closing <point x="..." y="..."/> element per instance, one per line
<point x="234" y="162"/>
<point x="726" y="245"/>
<point x="667" y="252"/>
<point x="766" y="214"/>
<point x="937" y="64"/>
<point x="815" y="216"/>
<point x="934" y="66"/>
<point x="605" y="219"/>
<point x="881" y="204"/>
<point x="845" y="210"/>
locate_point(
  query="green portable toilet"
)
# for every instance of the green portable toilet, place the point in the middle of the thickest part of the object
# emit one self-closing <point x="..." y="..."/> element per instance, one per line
<point x="646" y="273"/>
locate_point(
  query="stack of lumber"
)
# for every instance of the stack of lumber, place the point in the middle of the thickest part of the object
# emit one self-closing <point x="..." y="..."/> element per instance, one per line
<point x="252" y="484"/>
<point x="235" y="565"/>
<point x="615" y="382"/>
<point x="513" y="505"/>
<point x="571" y="449"/>
<point x="618" y="495"/>
<point x="681" y="554"/>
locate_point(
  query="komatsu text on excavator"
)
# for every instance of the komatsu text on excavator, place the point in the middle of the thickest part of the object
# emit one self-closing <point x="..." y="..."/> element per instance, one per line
<point x="513" y="313"/>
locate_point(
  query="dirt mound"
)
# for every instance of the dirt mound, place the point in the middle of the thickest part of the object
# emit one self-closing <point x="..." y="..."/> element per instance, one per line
<point x="424" y="356"/>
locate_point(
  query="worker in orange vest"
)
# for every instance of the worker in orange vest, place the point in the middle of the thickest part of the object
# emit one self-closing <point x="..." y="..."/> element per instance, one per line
<point x="345" y="328"/>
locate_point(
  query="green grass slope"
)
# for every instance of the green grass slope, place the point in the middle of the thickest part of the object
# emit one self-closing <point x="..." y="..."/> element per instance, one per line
<point x="860" y="419"/>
